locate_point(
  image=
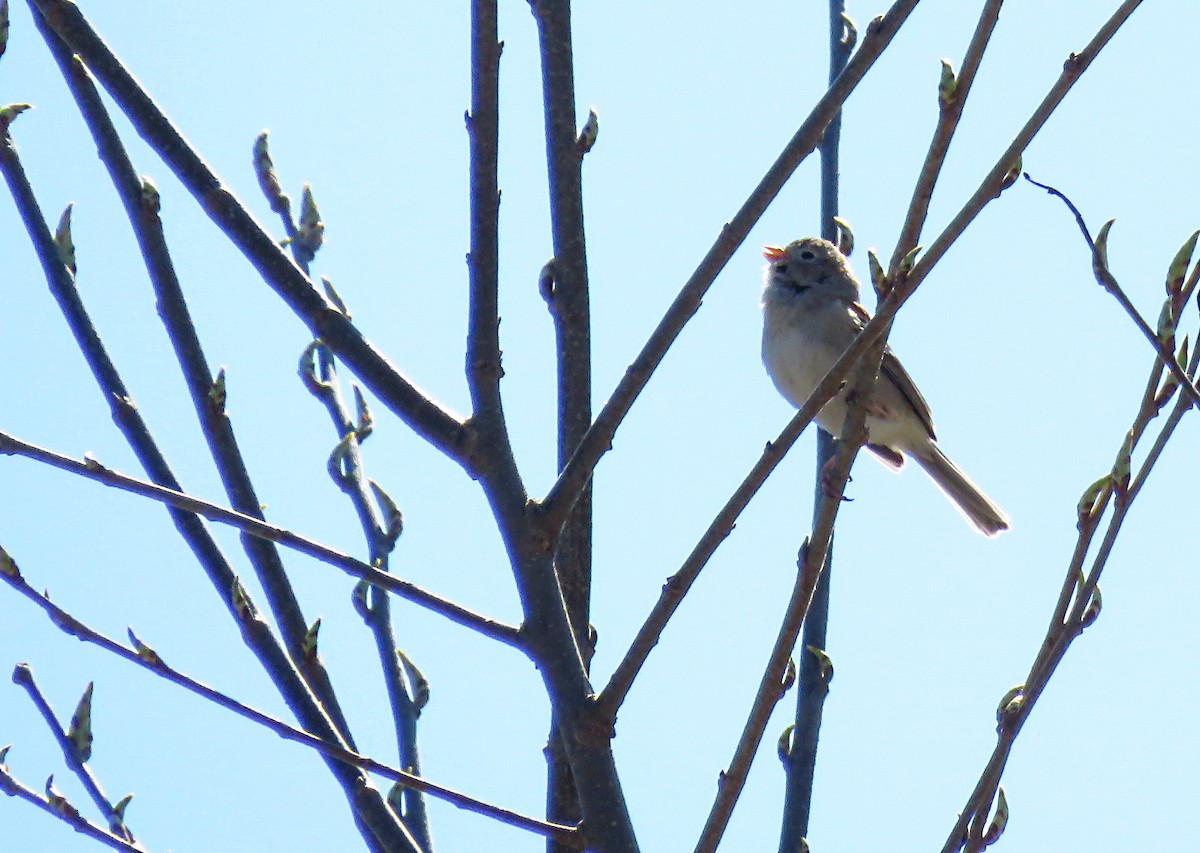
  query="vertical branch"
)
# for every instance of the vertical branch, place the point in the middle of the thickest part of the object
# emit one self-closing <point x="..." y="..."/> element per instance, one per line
<point x="568" y="301"/>
<point x="382" y="524"/>
<point x="483" y="261"/>
<point x="569" y="298"/>
<point x="547" y="633"/>
<point x="800" y="758"/>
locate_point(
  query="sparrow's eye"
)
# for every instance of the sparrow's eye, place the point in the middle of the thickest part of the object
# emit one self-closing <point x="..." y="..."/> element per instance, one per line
<point x="808" y="255"/>
<point x="780" y="267"/>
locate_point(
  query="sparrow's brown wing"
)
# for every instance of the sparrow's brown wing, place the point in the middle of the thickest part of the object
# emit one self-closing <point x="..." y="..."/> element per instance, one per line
<point x="892" y="370"/>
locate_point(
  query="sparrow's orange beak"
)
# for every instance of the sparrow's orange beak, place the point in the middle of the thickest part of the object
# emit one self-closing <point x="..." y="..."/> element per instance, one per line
<point x="774" y="254"/>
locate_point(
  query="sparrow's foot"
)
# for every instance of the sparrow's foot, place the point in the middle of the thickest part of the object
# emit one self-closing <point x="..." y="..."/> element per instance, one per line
<point x="829" y="483"/>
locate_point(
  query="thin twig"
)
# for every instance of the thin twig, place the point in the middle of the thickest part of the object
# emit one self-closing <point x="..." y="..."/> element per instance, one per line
<point x="255" y="527"/>
<point x="65" y="812"/>
<point x="678" y="584"/>
<point x="1108" y="281"/>
<point x="993" y="182"/>
<point x="23" y="676"/>
<point x="949" y="114"/>
<point x="382" y="525"/>
<point x="367" y="803"/>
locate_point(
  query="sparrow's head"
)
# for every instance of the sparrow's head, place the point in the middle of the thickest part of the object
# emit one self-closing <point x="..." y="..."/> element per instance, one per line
<point x="810" y="263"/>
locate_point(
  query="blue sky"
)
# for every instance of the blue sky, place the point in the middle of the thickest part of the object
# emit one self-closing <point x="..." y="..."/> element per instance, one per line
<point x="1032" y="372"/>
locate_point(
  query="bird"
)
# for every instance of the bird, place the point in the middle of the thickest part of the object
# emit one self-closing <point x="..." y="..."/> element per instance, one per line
<point x="811" y="315"/>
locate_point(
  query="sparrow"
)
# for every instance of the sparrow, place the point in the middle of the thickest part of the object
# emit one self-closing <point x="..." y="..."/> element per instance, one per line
<point x="811" y="315"/>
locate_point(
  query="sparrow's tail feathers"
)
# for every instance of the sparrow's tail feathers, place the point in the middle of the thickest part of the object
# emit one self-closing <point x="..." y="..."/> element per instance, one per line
<point x="976" y="507"/>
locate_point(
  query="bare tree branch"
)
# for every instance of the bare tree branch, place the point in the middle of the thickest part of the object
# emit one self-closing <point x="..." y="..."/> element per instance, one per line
<point x="146" y="225"/>
<point x="570" y="311"/>
<point x="799" y="758"/>
<point x="993" y="182"/>
<point x="59" y="807"/>
<point x="365" y="802"/>
<point x="402" y="396"/>
<point x="952" y="101"/>
<point x="1078" y="604"/>
<point x="255" y="527"/>
<point x="77" y="762"/>
<point x="382" y="525"/>
<point x="148" y="658"/>
<point x="678" y="584"/>
<point x="1109" y="282"/>
<point x="813" y="555"/>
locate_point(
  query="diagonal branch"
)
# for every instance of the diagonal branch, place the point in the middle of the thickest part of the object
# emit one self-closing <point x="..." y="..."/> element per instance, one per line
<point x="147" y="658"/>
<point x="1109" y="282"/>
<point x="1078" y="604"/>
<point x="65" y="812"/>
<point x="677" y="586"/>
<point x="779" y="672"/>
<point x="146" y="224"/>
<point x="264" y="530"/>
<point x="402" y="396"/>
<point x="74" y="758"/>
<point x="994" y="181"/>
<point x="952" y="104"/>
<point x="364" y="800"/>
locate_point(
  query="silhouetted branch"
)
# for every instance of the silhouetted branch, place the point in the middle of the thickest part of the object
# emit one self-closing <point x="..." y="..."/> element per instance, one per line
<point x="382" y="525"/>
<point x="75" y="757"/>
<point x="813" y="555"/>
<point x="255" y="527"/>
<point x="994" y="181"/>
<point x="1106" y="279"/>
<point x="570" y="313"/>
<point x="1079" y="601"/>
<point x="952" y="100"/>
<point x="677" y="586"/>
<point x="366" y="802"/>
<point x="400" y="394"/>
<point x="57" y="806"/>
<point x="149" y="659"/>
<point x="483" y="366"/>
<point x="142" y="210"/>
